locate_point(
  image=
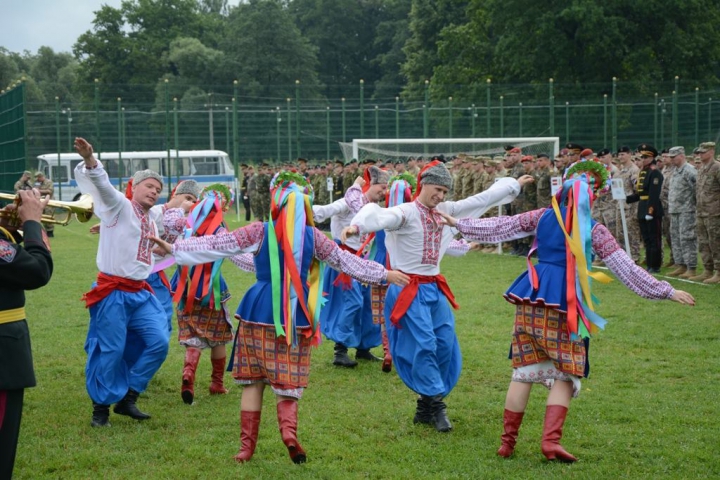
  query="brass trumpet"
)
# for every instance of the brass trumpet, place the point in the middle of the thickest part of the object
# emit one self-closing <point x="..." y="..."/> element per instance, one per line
<point x="56" y="212"/>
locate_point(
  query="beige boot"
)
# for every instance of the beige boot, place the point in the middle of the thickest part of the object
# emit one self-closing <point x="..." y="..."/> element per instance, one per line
<point x="678" y="271"/>
<point x="714" y="279"/>
<point x="702" y="277"/>
<point x="691" y="272"/>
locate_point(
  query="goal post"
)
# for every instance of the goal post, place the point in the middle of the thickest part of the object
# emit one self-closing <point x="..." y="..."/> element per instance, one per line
<point x="394" y="148"/>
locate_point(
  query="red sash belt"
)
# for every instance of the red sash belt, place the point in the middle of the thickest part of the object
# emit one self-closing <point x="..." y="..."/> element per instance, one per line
<point x="106" y="284"/>
<point x="344" y="280"/>
<point x="164" y="279"/>
<point x="409" y="292"/>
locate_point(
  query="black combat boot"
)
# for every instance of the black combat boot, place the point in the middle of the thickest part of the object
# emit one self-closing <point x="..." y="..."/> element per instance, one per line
<point x="127" y="406"/>
<point x="439" y="413"/>
<point x="101" y="415"/>
<point x="341" y="357"/>
<point x="423" y="413"/>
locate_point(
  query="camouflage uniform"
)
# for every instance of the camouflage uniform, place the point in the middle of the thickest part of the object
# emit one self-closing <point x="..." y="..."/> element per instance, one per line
<point x="319" y="184"/>
<point x="681" y="206"/>
<point x="708" y="215"/>
<point x="605" y="208"/>
<point x="260" y="198"/>
<point x="46" y="187"/>
<point x="348" y="180"/>
<point x="629" y="177"/>
<point x="668" y="173"/>
<point x="544" y="187"/>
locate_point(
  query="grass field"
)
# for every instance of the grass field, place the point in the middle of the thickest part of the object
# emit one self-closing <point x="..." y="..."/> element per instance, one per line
<point x="649" y="409"/>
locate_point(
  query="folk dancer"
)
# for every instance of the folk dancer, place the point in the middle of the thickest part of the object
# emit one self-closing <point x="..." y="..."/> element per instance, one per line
<point x="122" y="301"/>
<point x="279" y="314"/>
<point x="554" y="305"/>
<point x="420" y="324"/>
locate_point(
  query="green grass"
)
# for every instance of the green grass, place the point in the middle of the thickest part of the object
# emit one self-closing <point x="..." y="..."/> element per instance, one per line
<point x="649" y="409"/>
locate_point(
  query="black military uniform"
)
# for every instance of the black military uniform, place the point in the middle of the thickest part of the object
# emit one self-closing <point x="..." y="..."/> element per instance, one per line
<point x="21" y="268"/>
<point x="650" y="209"/>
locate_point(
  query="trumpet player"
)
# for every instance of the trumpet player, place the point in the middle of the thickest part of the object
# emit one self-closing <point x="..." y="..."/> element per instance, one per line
<point x="22" y="267"/>
<point x="122" y="302"/>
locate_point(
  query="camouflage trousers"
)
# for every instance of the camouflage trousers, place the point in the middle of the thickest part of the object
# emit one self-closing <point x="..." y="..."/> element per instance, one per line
<point x="683" y="236"/>
<point x="708" y="238"/>
<point x="666" y="233"/>
<point x="633" y="228"/>
<point x="259" y="207"/>
<point x="607" y="216"/>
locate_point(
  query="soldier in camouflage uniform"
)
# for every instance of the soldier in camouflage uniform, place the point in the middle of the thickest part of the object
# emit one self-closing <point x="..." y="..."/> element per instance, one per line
<point x="349" y="176"/>
<point x="668" y="169"/>
<point x="543" y="184"/>
<point x="480" y="175"/>
<point x="681" y="207"/>
<point x="628" y="172"/>
<point x="708" y="213"/>
<point x="604" y="208"/>
<point x="338" y="182"/>
<point x="260" y="197"/>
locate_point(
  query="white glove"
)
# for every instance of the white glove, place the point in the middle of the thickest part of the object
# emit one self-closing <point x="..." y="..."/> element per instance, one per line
<point x="648" y="217"/>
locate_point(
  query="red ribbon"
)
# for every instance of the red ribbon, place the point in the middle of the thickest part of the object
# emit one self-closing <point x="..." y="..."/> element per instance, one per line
<point x="344" y="280"/>
<point x="409" y="292"/>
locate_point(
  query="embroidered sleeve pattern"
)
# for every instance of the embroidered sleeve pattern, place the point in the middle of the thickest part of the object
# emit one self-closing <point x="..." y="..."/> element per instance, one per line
<point x="244" y="261"/>
<point x="174" y="224"/>
<point x="355" y="199"/>
<point x="500" y="229"/>
<point x="603" y="242"/>
<point x="457" y="248"/>
<point x="635" y="278"/>
<point x="363" y="271"/>
<point x="372" y="217"/>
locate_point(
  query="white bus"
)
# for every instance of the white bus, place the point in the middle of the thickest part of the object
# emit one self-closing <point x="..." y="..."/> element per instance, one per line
<point x="204" y="166"/>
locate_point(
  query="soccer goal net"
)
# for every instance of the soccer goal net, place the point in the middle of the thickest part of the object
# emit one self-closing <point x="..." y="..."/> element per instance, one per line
<point x="394" y="148"/>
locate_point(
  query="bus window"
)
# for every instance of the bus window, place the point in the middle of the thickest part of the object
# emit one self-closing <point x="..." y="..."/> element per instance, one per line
<point x="73" y="164"/>
<point x="59" y="174"/>
<point x="137" y="164"/>
<point x="156" y="165"/>
<point x="206" y="165"/>
<point x="111" y="167"/>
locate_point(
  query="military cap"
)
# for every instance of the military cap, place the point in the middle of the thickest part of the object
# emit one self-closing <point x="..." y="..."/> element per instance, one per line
<point x="527" y="158"/>
<point x="369" y="161"/>
<point x="624" y="149"/>
<point x="574" y="148"/>
<point x="507" y="148"/>
<point x="27" y="172"/>
<point x="40" y="172"/>
<point x="303" y="160"/>
<point x="498" y="159"/>
<point x="514" y="150"/>
<point x="339" y="162"/>
<point x="603" y="152"/>
<point x="354" y="160"/>
<point x="440" y="158"/>
<point x="675" y="151"/>
<point x="243" y="165"/>
<point x="587" y="152"/>
<point x="705" y="146"/>
<point x="646" y="150"/>
<point x="483" y="159"/>
<point x="543" y="155"/>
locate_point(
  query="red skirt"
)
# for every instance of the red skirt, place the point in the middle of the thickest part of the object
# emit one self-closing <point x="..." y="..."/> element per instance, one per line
<point x="206" y="323"/>
<point x="261" y="355"/>
<point x="541" y="334"/>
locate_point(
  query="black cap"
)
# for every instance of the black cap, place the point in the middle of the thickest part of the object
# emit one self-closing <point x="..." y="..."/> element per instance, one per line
<point x="300" y="159"/>
<point x="624" y="149"/>
<point x="369" y="161"/>
<point x="646" y="150"/>
<point x="440" y="158"/>
<point x="243" y="165"/>
<point x="603" y="152"/>
<point x="664" y="151"/>
<point x="340" y="162"/>
<point x="574" y="148"/>
<point x="507" y="148"/>
<point x="542" y="155"/>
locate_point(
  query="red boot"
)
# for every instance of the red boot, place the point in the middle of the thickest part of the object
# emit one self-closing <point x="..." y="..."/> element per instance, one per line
<point x="387" y="358"/>
<point x="511" y="421"/>
<point x="287" y="412"/>
<point x="249" y="426"/>
<point x="218" y="371"/>
<point x="552" y="433"/>
<point x="187" y="391"/>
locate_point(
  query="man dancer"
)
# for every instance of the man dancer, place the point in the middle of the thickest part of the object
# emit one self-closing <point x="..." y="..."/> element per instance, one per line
<point x="122" y="301"/>
<point x="347" y="317"/>
<point x="420" y="324"/>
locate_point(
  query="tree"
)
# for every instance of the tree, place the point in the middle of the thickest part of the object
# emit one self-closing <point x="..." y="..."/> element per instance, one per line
<point x="266" y="52"/>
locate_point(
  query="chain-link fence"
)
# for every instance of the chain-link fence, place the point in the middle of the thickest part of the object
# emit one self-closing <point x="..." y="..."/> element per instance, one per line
<point x="12" y="137"/>
<point x="255" y="127"/>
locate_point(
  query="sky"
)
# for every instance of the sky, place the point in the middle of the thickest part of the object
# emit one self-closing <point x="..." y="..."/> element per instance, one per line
<point x="31" y="24"/>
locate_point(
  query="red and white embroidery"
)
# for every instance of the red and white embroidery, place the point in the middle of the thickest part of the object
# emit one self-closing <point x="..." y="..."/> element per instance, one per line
<point x="432" y="234"/>
<point x="144" y="253"/>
